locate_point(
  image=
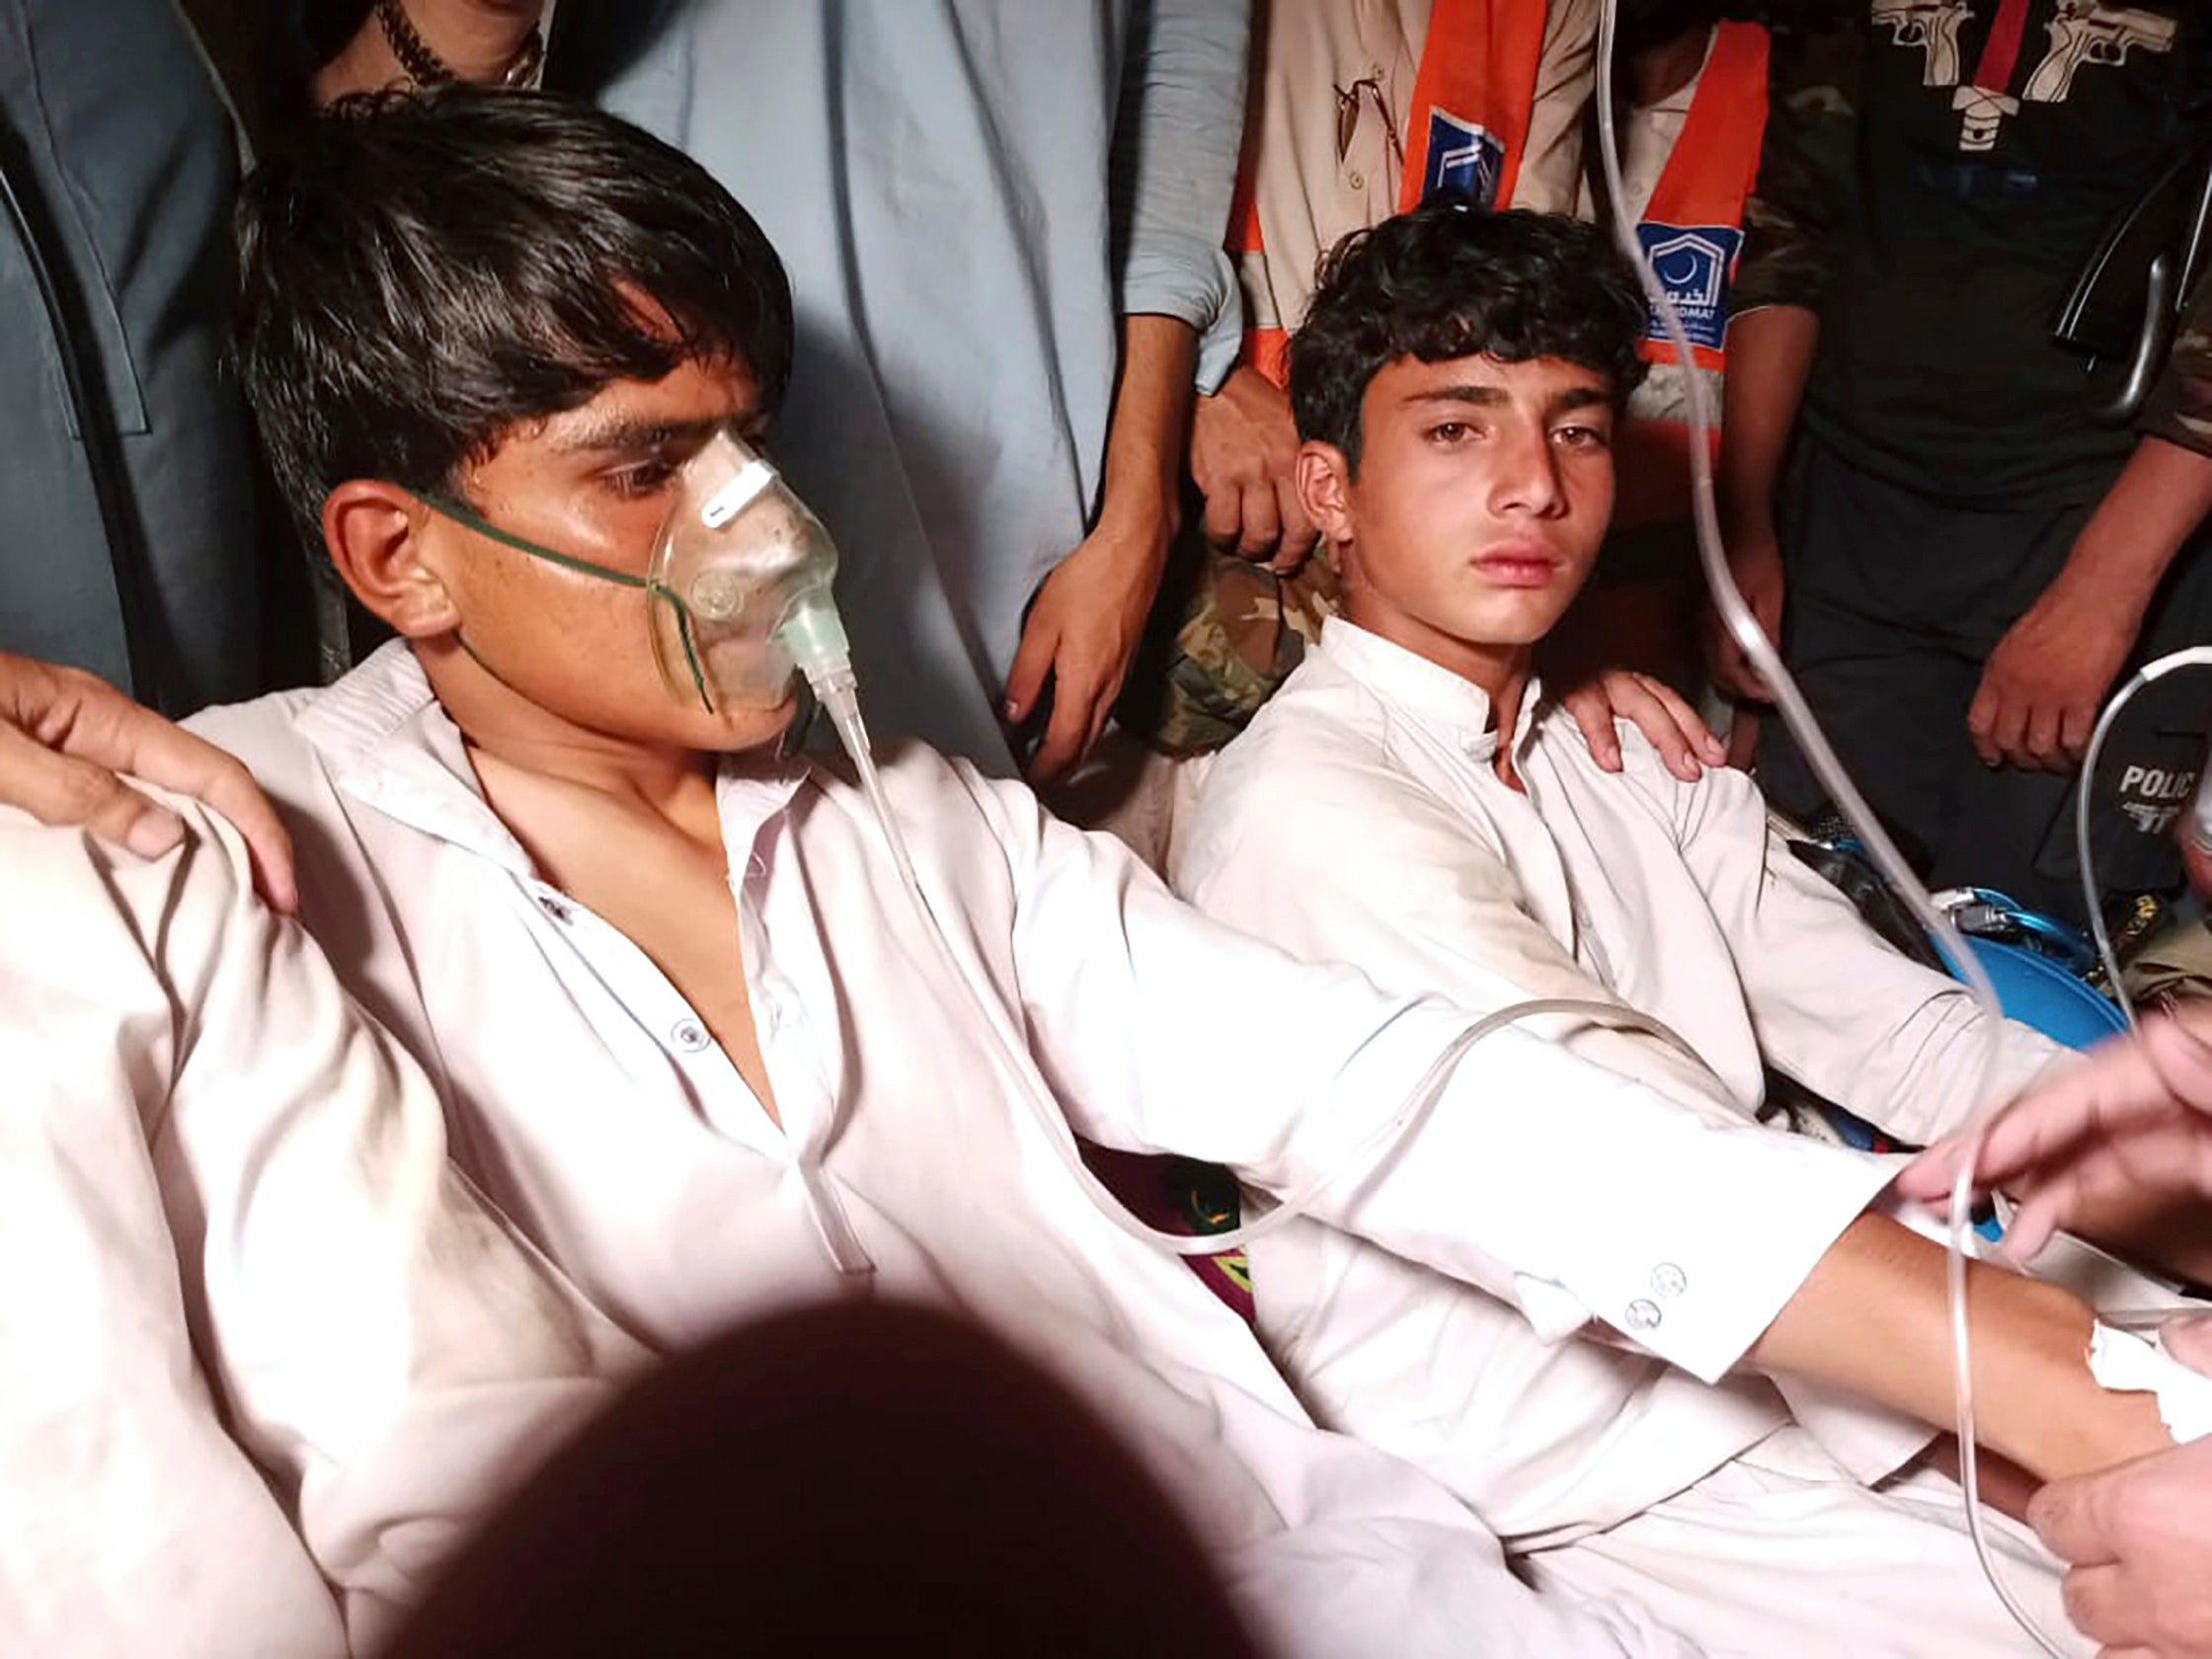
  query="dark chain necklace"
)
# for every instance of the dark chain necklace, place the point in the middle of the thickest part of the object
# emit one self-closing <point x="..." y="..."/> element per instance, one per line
<point x="427" y="69"/>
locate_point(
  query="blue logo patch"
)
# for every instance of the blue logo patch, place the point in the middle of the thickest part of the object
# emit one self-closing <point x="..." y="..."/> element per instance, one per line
<point x="1465" y="161"/>
<point x="1692" y="265"/>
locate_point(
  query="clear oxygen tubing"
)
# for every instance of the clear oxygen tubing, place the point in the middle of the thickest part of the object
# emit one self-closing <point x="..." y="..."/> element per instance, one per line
<point x="2193" y="656"/>
<point x="1821" y="756"/>
<point x="817" y="644"/>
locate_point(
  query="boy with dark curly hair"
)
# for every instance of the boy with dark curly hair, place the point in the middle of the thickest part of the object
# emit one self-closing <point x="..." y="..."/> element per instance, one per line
<point x="1406" y="803"/>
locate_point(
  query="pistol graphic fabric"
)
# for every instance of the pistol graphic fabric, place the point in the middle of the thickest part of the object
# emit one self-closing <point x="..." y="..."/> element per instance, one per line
<point x="1934" y="173"/>
<point x="2012" y="67"/>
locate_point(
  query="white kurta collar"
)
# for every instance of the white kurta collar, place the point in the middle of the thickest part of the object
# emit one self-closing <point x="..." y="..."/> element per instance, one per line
<point x="389" y="743"/>
<point x="1427" y="690"/>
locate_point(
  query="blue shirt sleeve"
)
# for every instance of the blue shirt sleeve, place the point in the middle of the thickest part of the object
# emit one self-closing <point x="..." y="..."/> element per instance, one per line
<point x="1177" y="131"/>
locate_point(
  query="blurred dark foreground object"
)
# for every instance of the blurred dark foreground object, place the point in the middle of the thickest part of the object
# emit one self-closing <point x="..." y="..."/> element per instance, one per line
<point x="848" y="1479"/>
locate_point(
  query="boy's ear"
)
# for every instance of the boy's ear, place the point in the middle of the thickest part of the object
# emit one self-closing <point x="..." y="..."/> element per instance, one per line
<point x="374" y="533"/>
<point x="1324" y="488"/>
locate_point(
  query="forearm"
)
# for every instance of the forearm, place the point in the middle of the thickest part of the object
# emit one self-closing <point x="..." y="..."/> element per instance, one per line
<point x="1872" y="1317"/>
<point x="2147" y="516"/>
<point x="1083" y="626"/>
<point x="1770" y="357"/>
<point x="1152" y="415"/>
<point x="478" y="39"/>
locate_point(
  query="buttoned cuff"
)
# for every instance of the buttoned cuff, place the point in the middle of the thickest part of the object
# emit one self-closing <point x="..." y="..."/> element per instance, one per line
<point x="1696" y="1234"/>
<point x="1579" y="1194"/>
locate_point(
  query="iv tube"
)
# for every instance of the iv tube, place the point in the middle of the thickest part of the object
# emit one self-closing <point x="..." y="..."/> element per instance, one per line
<point x="1822" y="758"/>
<point x="2193" y="656"/>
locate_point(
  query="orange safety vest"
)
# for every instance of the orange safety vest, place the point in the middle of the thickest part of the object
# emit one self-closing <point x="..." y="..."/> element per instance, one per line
<point x="1690" y="234"/>
<point x="1472" y="93"/>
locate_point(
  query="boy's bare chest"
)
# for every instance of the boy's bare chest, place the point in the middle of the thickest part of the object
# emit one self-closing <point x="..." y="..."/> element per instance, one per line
<point x="683" y="916"/>
<point x="667" y="892"/>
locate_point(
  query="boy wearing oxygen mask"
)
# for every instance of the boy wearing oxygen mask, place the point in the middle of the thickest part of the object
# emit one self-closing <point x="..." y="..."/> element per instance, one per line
<point x="1457" y="381"/>
<point x="693" y="1041"/>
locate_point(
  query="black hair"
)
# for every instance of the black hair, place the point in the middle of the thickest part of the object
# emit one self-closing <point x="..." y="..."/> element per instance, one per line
<point x="1450" y="280"/>
<point x="421" y="272"/>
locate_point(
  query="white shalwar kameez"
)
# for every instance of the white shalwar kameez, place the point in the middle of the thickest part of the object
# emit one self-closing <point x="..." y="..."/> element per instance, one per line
<point x="588" y="1100"/>
<point x="1360" y="819"/>
<point x="209" y="1158"/>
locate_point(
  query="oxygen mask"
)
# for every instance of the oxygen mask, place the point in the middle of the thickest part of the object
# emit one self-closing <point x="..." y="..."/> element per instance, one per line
<point x="740" y="585"/>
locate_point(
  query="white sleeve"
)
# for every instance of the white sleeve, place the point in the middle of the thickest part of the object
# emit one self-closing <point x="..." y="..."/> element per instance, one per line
<point x="1569" y="1188"/>
<point x="1350" y="861"/>
<point x="214" y="1141"/>
<point x="1832" y="1004"/>
<point x="129" y="1522"/>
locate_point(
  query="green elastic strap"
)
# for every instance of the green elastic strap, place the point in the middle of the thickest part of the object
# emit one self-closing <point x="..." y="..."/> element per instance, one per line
<point x="467" y="517"/>
<point x="462" y="514"/>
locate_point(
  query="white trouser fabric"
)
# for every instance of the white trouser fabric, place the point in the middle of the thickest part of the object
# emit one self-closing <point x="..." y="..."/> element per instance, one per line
<point x="1780" y="1551"/>
<point x="1610" y="1475"/>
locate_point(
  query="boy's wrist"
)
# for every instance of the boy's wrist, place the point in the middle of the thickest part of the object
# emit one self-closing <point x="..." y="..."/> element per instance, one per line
<point x="1139" y="509"/>
<point x="2062" y="1421"/>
